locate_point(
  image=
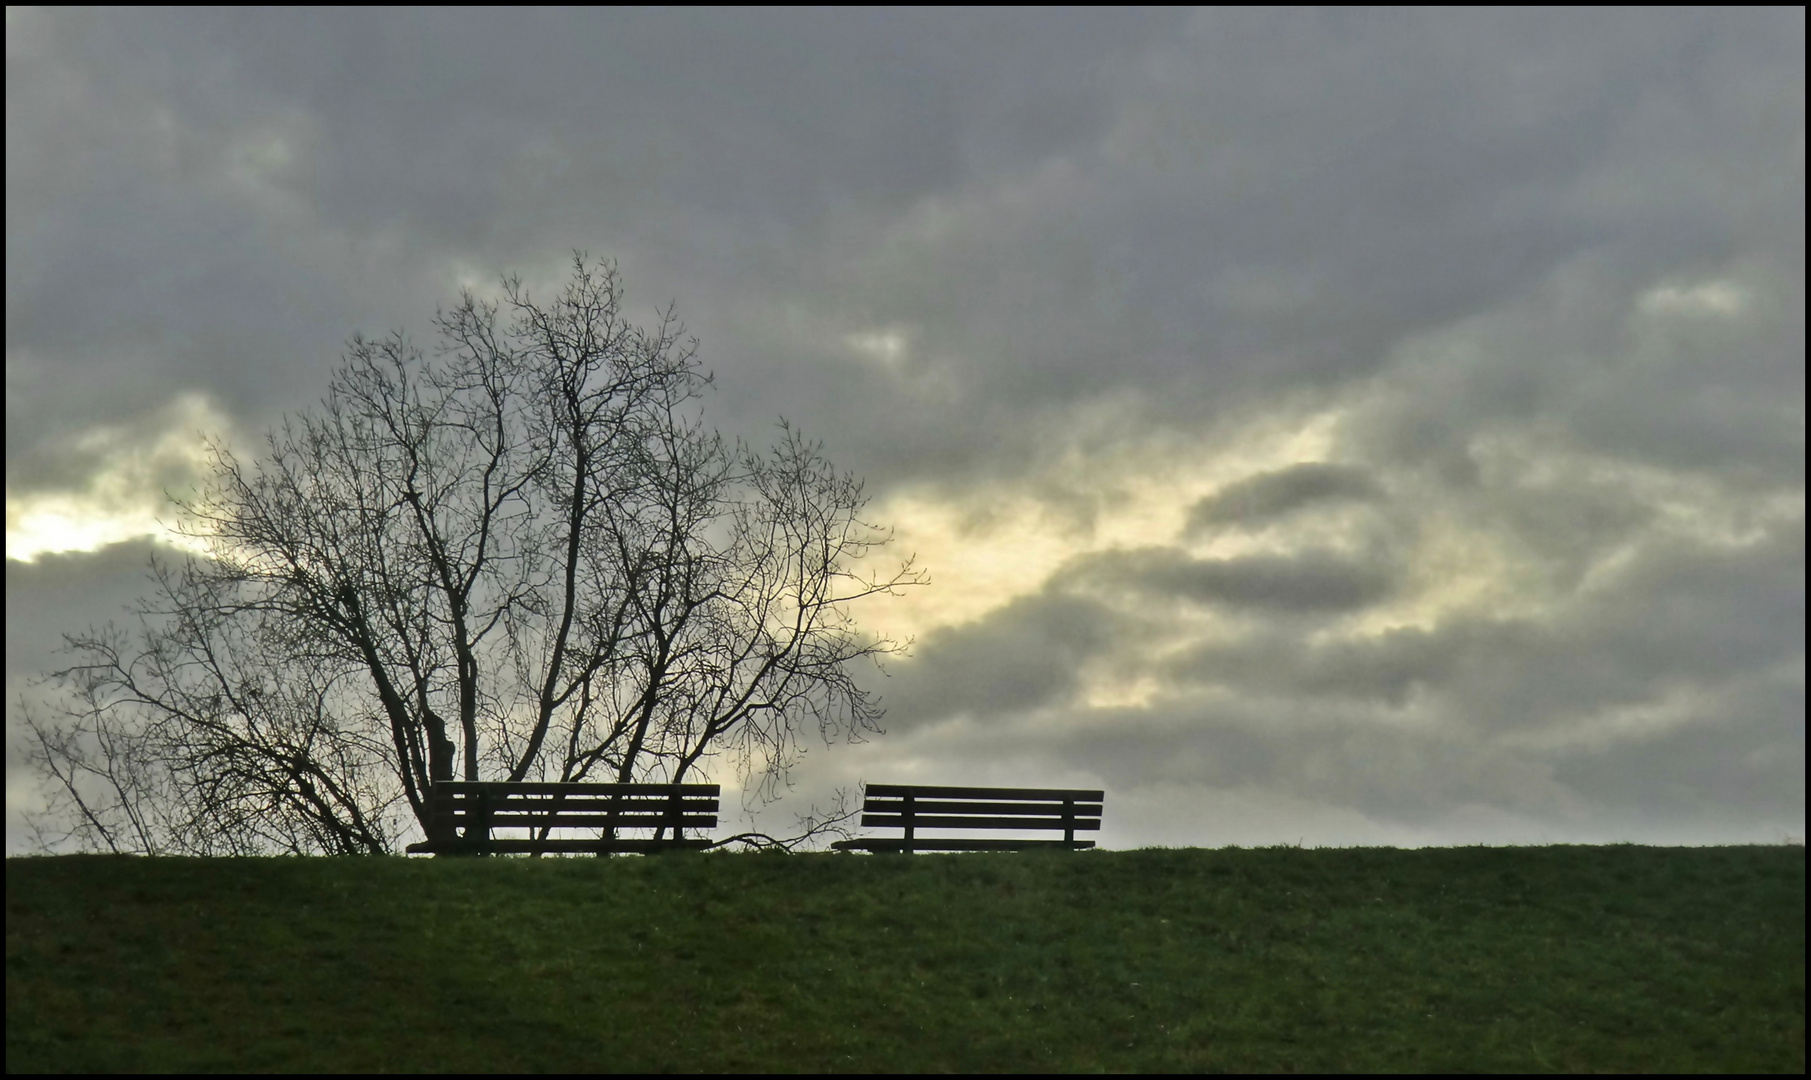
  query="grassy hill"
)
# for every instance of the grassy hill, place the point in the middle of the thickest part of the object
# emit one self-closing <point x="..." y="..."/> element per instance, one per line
<point x="1457" y="959"/>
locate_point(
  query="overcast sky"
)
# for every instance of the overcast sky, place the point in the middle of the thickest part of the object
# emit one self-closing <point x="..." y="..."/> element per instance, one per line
<point x="1328" y="427"/>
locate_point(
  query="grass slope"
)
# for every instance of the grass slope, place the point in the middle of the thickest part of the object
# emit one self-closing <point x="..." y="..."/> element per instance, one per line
<point x="1495" y="959"/>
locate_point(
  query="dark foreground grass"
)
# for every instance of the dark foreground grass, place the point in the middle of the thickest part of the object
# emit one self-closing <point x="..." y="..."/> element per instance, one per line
<point x="1492" y="959"/>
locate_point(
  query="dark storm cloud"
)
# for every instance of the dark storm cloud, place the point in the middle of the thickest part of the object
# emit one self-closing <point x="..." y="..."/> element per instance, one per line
<point x="1022" y="656"/>
<point x="1215" y="205"/>
<point x="1680" y="615"/>
<point x="1306" y="582"/>
<point x="1274" y="494"/>
<point x="283" y="178"/>
<point x="1702" y="380"/>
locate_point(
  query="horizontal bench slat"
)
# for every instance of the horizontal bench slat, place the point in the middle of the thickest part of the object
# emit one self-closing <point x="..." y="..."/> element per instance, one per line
<point x="561" y="806"/>
<point x="951" y="821"/>
<point x="928" y="806"/>
<point x="637" y="818"/>
<point x="1019" y="794"/>
<point x="468" y="813"/>
<point x="959" y="845"/>
<point x="583" y="821"/>
<point x="556" y="847"/>
<point x="538" y="788"/>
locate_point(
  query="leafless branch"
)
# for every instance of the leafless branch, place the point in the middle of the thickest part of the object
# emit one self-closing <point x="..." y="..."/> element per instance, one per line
<point x="523" y="556"/>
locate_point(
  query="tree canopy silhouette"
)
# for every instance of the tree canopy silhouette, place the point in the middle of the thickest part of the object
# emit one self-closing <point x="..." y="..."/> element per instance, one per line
<point x="526" y="557"/>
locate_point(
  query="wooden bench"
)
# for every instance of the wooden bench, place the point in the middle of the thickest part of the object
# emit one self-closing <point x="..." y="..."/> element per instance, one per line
<point x="912" y="808"/>
<point x="462" y="817"/>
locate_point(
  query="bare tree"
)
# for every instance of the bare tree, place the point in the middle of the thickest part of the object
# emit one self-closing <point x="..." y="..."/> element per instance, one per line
<point x="526" y="558"/>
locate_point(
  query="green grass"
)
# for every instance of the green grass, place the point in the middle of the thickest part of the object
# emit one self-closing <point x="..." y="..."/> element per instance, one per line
<point x="1456" y="959"/>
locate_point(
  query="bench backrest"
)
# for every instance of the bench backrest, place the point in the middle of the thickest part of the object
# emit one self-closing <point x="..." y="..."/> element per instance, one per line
<point x="913" y="807"/>
<point x="473" y="810"/>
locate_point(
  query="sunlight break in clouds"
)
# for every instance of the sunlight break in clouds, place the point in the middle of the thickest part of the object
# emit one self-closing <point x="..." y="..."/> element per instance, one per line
<point x="985" y="549"/>
<point x="1710" y="298"/>
<point x="885" y="347"/>
<point x="123" y="495"/>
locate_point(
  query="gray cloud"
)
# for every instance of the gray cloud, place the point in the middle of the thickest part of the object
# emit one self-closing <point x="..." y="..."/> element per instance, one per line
<point x="1303" y="583"/>
<point x="1021" y="656"/>
<point x="1678" y="616"/>
<point x="1537" y="276"/>
<point x="1663" y="694"/>
<point x="1274" y="494"/>
<point x="1742" y="758"/>
<point x="45" y="599"/>
<point x="83" y="589"/>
